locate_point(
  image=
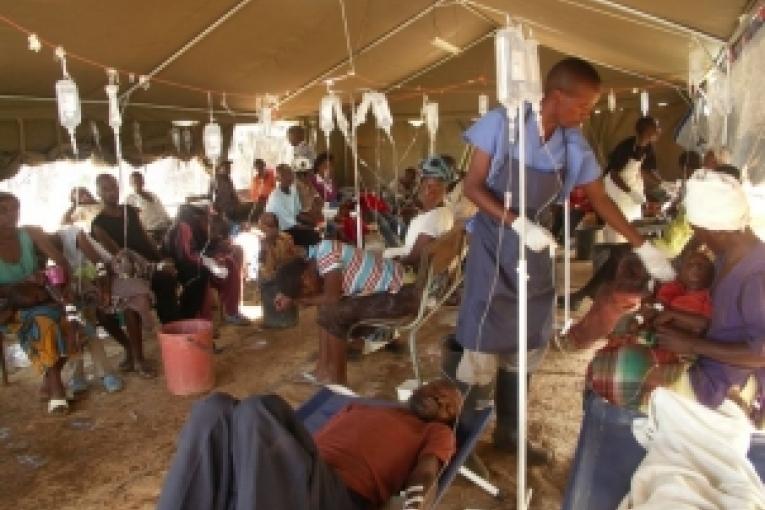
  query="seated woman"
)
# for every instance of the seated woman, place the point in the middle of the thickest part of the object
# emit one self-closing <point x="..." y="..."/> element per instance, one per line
<point x="231" y="257"/>
<point x="90" y="288"/>
<point x="348" y="285"/>
<point x="28" y="310"/>
<point x="727" y="359"/>
<point x="434" y="219"/>
<point x="186" y="243"/>
<point x="83" y="207"/>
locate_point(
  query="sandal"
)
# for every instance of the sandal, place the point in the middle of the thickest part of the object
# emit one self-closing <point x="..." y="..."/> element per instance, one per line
<point x="308" y="378"/>
<point x="58" y="406"/>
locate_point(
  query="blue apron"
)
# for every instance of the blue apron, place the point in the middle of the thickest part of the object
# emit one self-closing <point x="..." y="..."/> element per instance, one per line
<point x="499" y="333"/>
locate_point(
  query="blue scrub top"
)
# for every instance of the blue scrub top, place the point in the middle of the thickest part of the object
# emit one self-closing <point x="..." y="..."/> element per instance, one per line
<point x="489" y="134"/>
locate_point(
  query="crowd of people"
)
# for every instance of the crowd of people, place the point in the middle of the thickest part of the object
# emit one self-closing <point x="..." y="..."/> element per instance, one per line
<point x="116" y="265"/>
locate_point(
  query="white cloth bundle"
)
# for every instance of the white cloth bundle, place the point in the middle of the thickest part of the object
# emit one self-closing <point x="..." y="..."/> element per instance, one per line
<point x="716" y="201"/>
<point x="696" y="458"/>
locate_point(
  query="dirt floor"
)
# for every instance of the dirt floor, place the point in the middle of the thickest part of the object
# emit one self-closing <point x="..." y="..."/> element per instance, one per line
<point x="113" y="451"/>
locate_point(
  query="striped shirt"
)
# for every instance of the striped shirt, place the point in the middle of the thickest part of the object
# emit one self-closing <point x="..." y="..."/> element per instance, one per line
<point x="363" y="272"/>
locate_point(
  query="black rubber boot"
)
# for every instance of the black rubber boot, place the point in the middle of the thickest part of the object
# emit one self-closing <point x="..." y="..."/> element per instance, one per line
<point x="506" y="429"/>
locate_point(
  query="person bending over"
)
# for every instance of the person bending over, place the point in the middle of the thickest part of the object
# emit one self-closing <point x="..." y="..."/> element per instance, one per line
<point x="256" y="454"/>
<point x="628" y="164"/>
<point x="348" y="285"/>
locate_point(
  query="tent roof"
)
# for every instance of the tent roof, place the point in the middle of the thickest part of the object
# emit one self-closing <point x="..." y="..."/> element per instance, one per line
<point x="288" y="46"/>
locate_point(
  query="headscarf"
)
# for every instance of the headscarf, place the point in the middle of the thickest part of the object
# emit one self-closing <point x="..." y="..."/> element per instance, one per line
<point x="716" y="201"/>
<point x="437" y="168"/>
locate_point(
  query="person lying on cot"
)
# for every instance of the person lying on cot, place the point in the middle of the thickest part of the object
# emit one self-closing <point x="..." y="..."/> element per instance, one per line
<point x="726" y="359"/>
<point x="348" y="285"/>
<point x="256" y="454"/>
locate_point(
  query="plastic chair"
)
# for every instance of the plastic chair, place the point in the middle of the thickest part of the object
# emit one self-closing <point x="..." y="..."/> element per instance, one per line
<point x="438" y="277"/>
<point x="328" y="401"/>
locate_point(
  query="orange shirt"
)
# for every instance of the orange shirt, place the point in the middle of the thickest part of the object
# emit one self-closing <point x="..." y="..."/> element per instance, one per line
<point x="262" y="186"/>
<point x="374" y="449"/>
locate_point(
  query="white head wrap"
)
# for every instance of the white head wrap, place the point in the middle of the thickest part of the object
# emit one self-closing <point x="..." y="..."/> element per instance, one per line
<point x="716" y="201"/>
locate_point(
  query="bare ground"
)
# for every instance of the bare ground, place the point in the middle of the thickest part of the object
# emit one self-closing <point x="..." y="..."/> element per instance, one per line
<point x="113" y="451"/>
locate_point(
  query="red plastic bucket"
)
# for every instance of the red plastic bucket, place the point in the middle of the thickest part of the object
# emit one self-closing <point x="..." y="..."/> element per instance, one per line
<point x="187" y="354"/>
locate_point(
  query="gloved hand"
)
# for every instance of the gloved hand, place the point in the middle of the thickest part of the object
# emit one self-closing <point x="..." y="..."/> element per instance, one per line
<point x="538" y="238"/>
<point x="216" y="269"/>
<point x="637" y="197"/>
<point x="655" y="262"/>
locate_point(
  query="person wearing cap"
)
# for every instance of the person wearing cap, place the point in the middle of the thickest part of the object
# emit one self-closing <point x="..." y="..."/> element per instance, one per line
<point x="434" y="219"/>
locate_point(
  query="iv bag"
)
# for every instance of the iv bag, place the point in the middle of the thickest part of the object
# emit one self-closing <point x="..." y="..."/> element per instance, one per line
<point x="431" y="118"/>
<point x="381" y="111"/>
<point x="611" y="101"/>
<point x="483" y="104"/>
<point x="175" y="137"/>
<point x="115" y="117"/>
<point x="534" y="80"/>
<point x="69" y="110"/>
<point x="644" y="103"/>
<point x="213" y="141"/>
<point x="363" y="109"/>
<point x="265" y="119"/>
<point x="511" y="66"/>
<point x="326" y="122"/>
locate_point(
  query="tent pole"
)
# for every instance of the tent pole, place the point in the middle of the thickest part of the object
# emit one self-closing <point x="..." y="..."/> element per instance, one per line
<point x="357" y="188"/>
<point x="153" y="106"/>
<point x="660" y="21"/>
<point x="521" y="496"/>
<point x="183" y="49"/>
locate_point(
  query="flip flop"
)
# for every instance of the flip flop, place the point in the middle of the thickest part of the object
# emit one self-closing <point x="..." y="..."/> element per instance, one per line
<point x="308" y="378"/>
<point x="58" y="406"/>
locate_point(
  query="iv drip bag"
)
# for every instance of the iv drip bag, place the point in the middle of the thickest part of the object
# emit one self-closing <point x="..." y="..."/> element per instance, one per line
<point x="213" y="141"/>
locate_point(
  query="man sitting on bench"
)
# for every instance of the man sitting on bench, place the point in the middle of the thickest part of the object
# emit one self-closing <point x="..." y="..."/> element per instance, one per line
<point x="256" y="454"/>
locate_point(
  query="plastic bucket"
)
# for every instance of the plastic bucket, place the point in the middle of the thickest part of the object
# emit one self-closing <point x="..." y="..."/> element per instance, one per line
<point x="187" y="355"/>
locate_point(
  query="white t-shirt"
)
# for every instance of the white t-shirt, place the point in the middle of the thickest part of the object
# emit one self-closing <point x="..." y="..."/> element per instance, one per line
<point x="152" y="212"/>
<point x="72" y="253"/>
<point x="285" y="206"/>
<point x="434" y="223"/>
